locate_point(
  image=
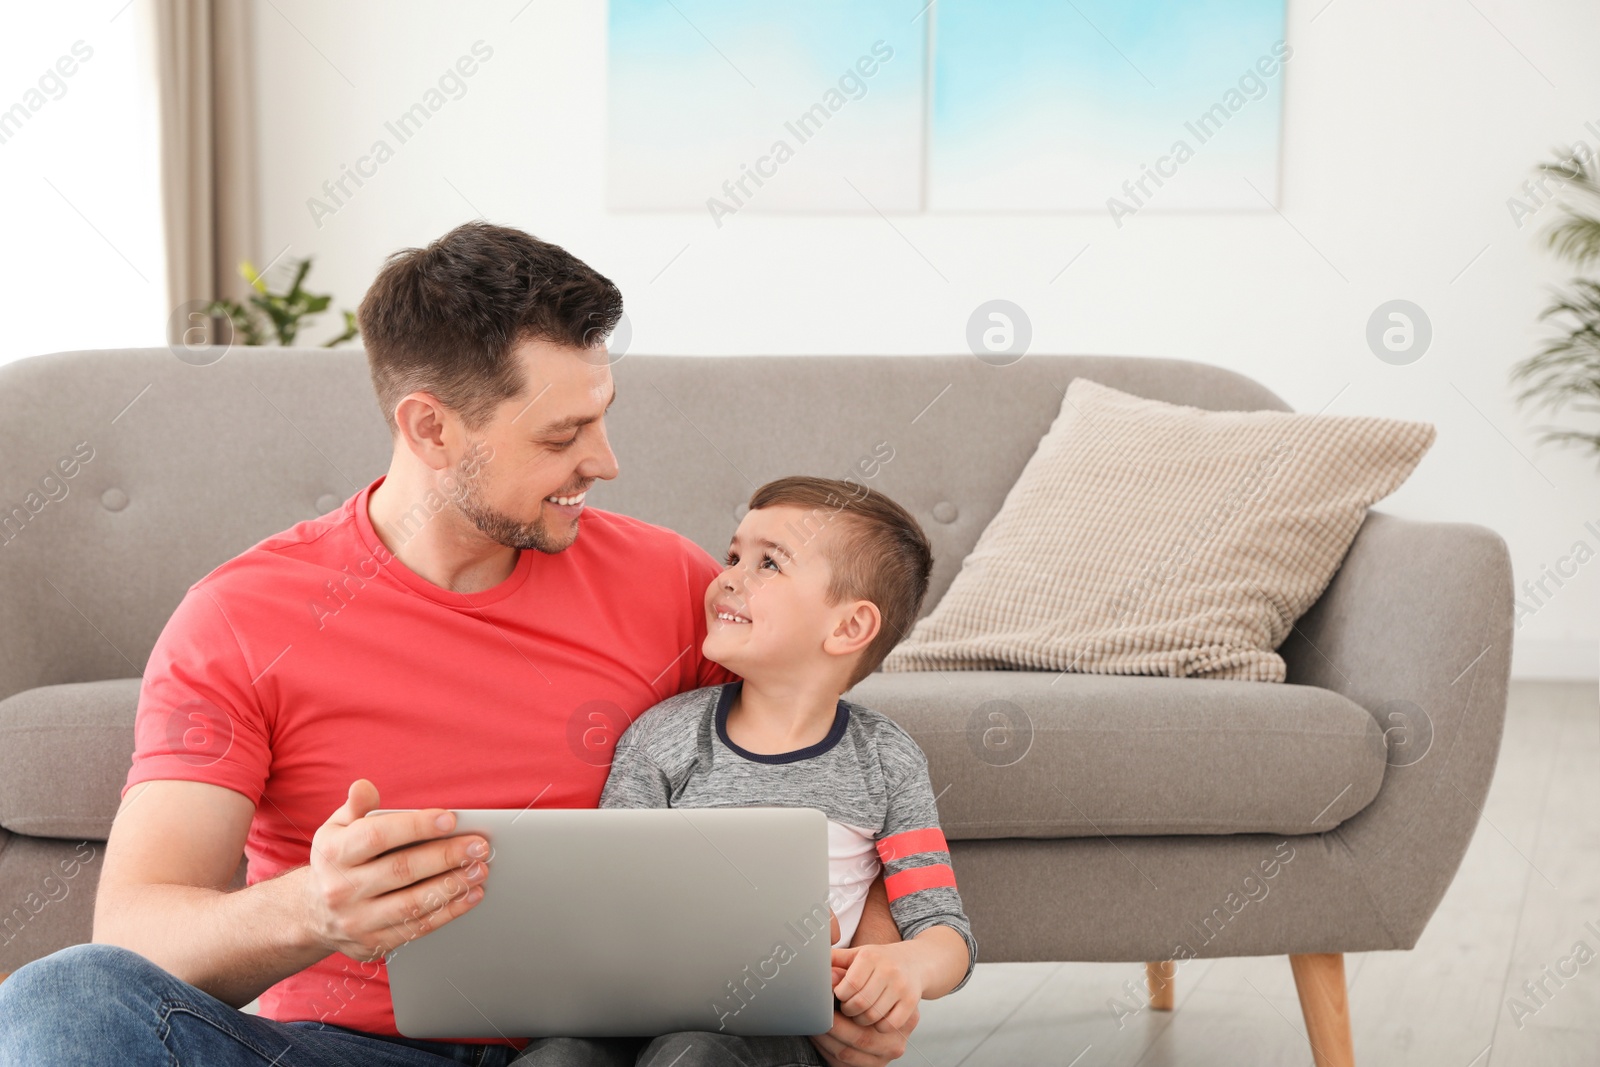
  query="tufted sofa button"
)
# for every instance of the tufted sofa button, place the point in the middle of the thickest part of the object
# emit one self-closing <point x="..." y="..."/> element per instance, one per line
<point x="113" y="500"/>
<point x="945" y="512"/>
<point x="740" y="510"/>
<point x="327" y="502"/>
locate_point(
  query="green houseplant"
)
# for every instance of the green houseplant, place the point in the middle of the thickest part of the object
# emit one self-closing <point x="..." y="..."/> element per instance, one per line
<point x="283" y="312"/>
<point x="1565" y="372"/>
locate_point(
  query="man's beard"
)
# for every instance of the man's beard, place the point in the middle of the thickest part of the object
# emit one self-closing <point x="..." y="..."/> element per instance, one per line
<point x="500" y="527"/>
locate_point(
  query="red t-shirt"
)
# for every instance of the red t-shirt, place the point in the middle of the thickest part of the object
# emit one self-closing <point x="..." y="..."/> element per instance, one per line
<point x="317" y="657"/>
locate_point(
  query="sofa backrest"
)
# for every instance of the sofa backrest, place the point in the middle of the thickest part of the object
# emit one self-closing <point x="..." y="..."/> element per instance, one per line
<point x="129" y="474"/>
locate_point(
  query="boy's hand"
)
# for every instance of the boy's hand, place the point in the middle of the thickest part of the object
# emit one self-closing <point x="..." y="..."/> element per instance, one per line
<point x="833" y="928"/>
<point x="881" y="986"/>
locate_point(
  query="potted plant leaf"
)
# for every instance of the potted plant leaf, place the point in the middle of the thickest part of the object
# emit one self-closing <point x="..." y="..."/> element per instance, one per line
<point x="1565" y="372"/>
<point x="283" y="312"/>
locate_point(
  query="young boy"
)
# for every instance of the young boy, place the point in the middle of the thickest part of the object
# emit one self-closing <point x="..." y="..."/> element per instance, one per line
<point x="822" y="579"/>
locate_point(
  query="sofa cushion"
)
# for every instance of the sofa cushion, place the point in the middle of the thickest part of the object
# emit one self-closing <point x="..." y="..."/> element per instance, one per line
<point x="65" y="751"/>
<point x="1010" y="753"/>
<point x="1150" y="538"/>
<point x="1048" y="754"/>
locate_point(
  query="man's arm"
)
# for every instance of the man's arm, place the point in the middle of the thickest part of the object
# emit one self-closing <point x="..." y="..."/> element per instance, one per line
<point x="174" y="848"/>
<point x="876" y="926"/>
<point x="172" y="853"/>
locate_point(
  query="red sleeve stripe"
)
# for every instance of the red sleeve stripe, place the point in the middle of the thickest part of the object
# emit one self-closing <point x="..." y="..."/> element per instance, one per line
<point x="912" y="879"/>
<point x="910" y="842"/>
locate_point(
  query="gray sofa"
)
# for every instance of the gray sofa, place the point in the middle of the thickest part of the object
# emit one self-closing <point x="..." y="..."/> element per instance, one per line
<point x="1092" y="817"/>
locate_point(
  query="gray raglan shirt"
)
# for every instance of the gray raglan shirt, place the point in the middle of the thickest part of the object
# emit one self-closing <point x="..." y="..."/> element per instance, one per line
<point x="867" y="775"/>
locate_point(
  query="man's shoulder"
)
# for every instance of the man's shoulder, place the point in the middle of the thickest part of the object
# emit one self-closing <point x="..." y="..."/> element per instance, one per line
<point x="625" y="533"/>
<point x="309" y="541"/>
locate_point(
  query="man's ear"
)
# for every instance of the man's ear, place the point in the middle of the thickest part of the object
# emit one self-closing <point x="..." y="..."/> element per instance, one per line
<point x="855" y="630"/>
<point x="427" y="428"/>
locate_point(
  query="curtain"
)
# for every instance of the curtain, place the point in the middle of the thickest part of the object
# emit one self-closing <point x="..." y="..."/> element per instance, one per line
<point x="208" y="149"/>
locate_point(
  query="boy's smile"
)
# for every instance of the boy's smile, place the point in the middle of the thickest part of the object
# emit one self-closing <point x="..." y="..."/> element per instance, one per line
<point x="767" y="611"/>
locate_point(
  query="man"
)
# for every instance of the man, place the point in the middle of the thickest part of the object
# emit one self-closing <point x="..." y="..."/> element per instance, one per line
<point x="406" y="644"/>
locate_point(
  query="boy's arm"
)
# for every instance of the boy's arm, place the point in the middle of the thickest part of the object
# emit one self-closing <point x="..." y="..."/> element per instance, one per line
<point x="938" y="955"/>
<point x="635" y="781"/>
<point x="918" y="877"/>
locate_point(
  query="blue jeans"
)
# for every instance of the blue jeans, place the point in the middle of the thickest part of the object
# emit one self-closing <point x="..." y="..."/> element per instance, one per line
<point x="107" y="1004"/>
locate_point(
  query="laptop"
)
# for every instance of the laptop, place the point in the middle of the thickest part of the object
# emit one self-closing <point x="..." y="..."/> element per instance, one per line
<point x="630" y="922"/>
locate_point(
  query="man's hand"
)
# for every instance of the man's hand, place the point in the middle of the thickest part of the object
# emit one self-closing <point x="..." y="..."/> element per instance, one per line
<point x="363" y="902"/>
<point x="850" y="1044"/>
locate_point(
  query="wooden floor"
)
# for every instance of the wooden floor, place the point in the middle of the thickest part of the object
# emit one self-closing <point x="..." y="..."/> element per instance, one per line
<point x="1528" y="884"/>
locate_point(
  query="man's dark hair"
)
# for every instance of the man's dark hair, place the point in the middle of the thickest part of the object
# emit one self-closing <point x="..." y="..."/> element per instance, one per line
<point x="881" y="555"/>
<point x="444" y="319"/>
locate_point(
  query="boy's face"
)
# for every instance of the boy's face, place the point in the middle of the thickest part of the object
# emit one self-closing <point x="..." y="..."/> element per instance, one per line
<point x="775" y="581"/>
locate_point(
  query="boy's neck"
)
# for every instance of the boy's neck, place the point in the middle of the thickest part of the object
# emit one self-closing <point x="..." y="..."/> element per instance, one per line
<point x="770" y="717"/>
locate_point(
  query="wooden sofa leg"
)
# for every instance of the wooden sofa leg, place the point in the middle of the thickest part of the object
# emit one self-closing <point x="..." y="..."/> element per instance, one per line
<point x="1159" y="976"/>
<point x="1319" y="979"/>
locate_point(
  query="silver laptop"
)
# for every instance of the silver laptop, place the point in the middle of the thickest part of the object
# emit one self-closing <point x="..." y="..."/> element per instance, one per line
<point x="630" y="922"/>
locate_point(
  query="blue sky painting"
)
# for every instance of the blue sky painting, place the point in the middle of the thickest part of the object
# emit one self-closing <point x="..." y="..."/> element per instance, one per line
<point x="1049" y="105"/>
<point x="809" y="107"/>
<point x="726" y="106"/>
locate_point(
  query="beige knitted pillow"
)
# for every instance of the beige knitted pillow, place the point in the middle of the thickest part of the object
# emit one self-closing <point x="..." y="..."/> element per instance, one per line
<point x="1152" y="538"/>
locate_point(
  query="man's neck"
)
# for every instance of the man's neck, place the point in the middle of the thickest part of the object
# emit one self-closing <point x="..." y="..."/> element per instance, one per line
<point x="440" y="546"/>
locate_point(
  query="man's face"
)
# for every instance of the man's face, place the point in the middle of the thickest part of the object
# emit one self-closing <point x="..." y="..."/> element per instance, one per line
<point x="775" y="581"/>
<point x="546" y="446"/>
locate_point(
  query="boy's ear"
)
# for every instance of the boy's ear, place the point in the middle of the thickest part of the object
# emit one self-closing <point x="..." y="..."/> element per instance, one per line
<point x="856" y="630"/>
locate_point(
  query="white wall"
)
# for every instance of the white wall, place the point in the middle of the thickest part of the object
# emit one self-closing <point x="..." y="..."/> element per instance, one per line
<point x="1407" y="127"/>
<point x="81" y="257"/>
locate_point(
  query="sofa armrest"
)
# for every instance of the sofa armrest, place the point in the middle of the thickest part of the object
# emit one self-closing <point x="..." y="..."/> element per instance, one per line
<point x="1416" y="627"/>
